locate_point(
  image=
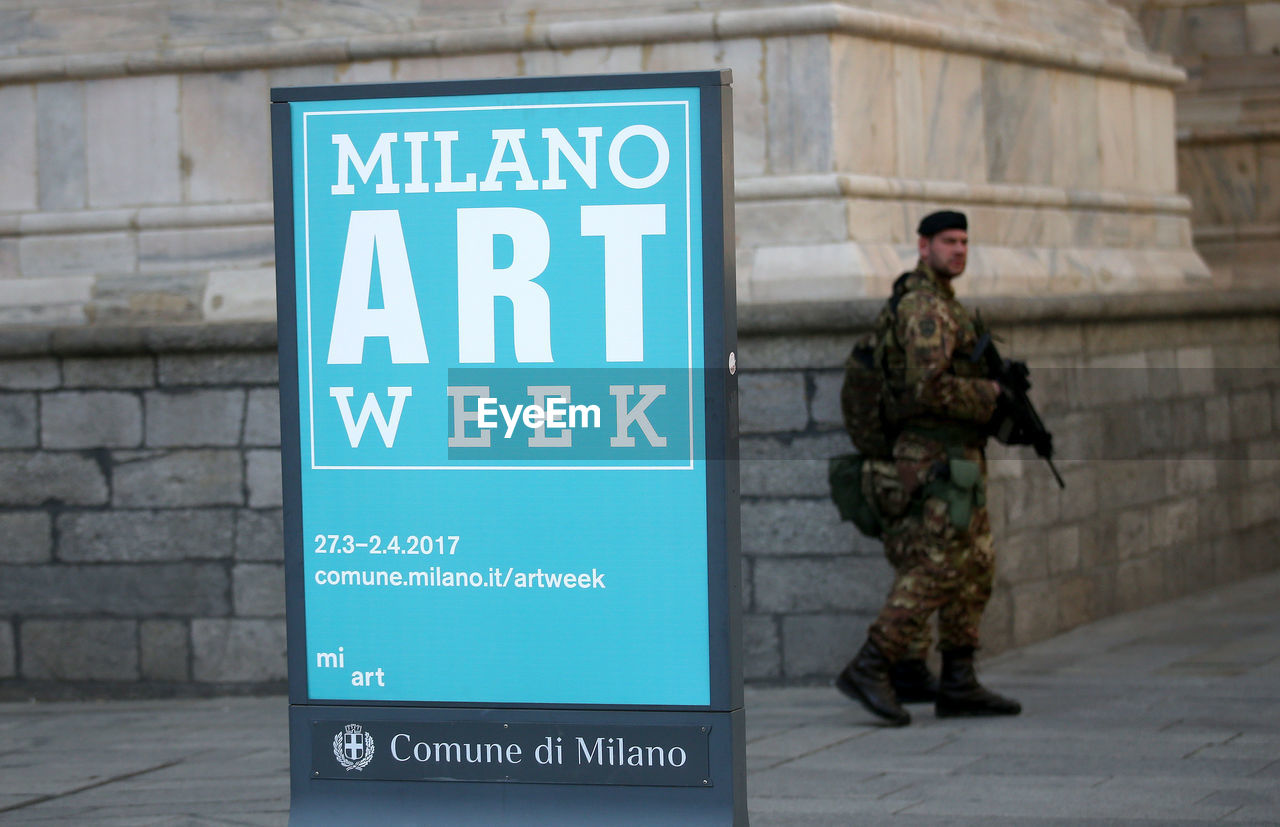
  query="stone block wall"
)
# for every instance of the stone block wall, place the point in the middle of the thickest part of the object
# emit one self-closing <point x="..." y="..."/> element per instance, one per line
<point x="1166" y="419"/>
<point x="140" y="513"/>
<point x="140" y="488"/>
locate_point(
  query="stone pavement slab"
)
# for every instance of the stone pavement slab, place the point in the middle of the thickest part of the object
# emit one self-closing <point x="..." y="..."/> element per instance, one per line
<point x="1170" y="715"/>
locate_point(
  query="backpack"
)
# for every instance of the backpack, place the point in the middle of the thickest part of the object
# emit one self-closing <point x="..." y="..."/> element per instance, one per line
<point x="862" y="399"/>
<point x="862" y="407"/>
<point x="863" y="392"/>
<point x="844" y="474"/>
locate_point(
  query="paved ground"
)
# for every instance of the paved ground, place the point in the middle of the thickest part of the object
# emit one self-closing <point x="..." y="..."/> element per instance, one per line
<point x="1166" y="716"/>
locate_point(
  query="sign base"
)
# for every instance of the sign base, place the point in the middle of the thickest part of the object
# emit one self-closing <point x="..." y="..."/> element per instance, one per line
<point x="403" y="765"/>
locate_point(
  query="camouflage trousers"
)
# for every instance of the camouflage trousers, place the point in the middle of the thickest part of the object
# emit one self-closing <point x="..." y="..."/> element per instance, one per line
<point x="937" y="567"/>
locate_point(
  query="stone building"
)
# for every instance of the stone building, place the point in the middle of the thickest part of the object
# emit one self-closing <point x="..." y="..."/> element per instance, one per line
<point x="1228" y="117"/>
<point x="138" y="407"/>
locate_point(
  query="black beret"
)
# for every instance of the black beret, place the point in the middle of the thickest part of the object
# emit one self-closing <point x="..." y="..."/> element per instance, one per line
<point x="934" y="223"/>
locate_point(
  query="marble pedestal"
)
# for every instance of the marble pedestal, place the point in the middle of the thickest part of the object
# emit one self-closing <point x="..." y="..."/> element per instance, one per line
<point x="136" y="165"/>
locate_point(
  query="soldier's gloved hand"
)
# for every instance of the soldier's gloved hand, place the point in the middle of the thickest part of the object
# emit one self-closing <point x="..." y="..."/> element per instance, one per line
<point x="1015" y="375"/>
<point x="1003" y="422"/>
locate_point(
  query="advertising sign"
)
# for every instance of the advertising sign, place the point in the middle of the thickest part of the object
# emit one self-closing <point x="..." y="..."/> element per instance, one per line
<point x="505" y="333"/>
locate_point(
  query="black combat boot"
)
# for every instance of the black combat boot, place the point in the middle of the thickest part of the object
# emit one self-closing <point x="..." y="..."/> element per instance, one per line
<point x="866" y="680"/>
<point x="912" y="681"/>
<point x="960" y="694"/>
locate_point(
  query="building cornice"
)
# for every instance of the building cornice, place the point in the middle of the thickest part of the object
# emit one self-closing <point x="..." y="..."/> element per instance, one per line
<point x="860" y="314"/>
<point x="753" y="320"/>
<point x="876" y="187"/>
<point x="776" y="21"/>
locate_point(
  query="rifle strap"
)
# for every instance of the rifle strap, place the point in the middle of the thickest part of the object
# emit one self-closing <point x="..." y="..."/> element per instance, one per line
<point x="899" y="290"/>
<point x="980" y="349"/>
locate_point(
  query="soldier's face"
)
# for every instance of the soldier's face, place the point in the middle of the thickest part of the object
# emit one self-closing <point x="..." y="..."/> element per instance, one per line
<point x="946" y="252"/>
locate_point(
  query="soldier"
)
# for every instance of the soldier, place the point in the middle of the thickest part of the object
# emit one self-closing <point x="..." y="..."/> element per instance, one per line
<point x="940" y="402"/>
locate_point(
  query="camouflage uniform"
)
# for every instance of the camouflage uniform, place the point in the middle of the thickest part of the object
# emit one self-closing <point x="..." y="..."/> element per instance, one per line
<point x="940" y="401"/>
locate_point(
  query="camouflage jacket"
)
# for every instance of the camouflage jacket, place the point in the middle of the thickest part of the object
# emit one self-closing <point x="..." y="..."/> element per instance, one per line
<point x="932" y="382"/>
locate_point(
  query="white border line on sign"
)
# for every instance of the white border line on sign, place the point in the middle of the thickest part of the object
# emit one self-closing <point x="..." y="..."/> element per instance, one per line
<point x="688" y="290"/>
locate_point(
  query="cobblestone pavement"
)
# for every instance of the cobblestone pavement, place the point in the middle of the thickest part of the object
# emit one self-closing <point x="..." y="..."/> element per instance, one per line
<point x="1170" y="715"/>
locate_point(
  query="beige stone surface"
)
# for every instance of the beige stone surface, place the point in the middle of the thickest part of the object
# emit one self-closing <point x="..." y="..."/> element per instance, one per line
<point x="365" y="71"/>
<point x="60" y="168"/>
<point x="234" y="295"/>
<point x="1118" y="153"/>
<point x="908" y="107"/>
<point x="1018" y="123"/>
<point x="224" y="124"/>
<point x="45" y="301"/>
<point x="1216" y="29"/>
<point x="1155" y="163"/>
<point x="779" y="222"/>
<point x="1268" y="200"/>
<point x="750" y="137"/>
<point x="1165" y="165"/>
<point x="306" y="76"/>
<point x="799" y="122"/>
<point x="199" y="248"/>
<point x="78" y="254"/>
<point x="1222" y="181"/>
<point x="1262" y="21"/>
<point x="939" y="115"/>
<point x="1229" y="123"/>
<point x="136" y="24"/>
<point x="746" y="59"/>
<point x="1074" y="119"/>
<point x="501" y="64"/>
<point x="822" y="271"/>
<point x="17" y="147"/>
<point x="133" y="141"/>
<point x="591" y="61"/>
<point x="879" y="220"/>
<point x="954" y="110"/>
<point x="8" y="258"/>
<point x="864" y="133"/>
<point x="1050" y="123"/>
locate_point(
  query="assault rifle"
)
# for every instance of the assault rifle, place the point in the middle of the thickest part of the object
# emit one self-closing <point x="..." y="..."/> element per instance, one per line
<point x="1015" y="421"/>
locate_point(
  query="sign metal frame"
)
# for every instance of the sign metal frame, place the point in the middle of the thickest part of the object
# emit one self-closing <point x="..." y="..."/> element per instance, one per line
<point x="718" y="799"/>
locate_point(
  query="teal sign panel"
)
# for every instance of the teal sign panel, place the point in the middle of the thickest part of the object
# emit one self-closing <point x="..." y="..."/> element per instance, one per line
<point x="500" y="397"/>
